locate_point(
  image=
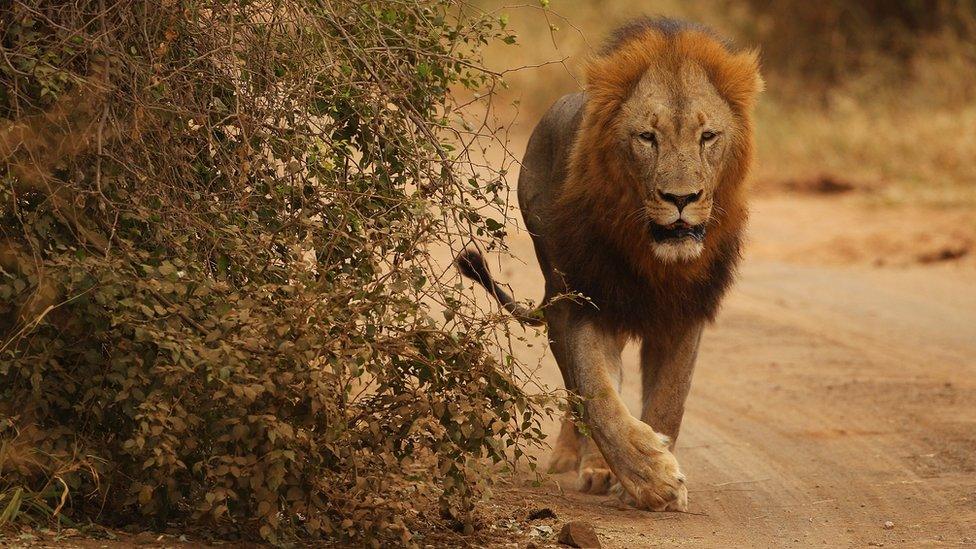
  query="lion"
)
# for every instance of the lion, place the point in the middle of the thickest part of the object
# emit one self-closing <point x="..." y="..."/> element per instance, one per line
<point x="633" y="193"/>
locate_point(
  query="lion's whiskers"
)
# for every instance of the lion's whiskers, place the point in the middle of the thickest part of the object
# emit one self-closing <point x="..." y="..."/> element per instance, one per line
<point x="717" y="212"/>
<point x="640" y="214"/>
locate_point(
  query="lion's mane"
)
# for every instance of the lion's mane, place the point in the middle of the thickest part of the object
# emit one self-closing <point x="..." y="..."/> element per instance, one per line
<point x="605" y="254"/>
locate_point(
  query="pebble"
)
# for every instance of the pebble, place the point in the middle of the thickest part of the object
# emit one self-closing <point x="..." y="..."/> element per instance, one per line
<point x="579" y="534"/>
<point x="888" y="525"/>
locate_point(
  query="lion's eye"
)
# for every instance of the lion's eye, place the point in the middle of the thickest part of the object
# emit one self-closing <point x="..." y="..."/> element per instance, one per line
<point x="708" y="136"/>
<point x="649" y="137"/>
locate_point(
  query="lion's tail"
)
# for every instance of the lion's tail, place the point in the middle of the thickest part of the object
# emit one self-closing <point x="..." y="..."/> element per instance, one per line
<point x="472" y="265"/>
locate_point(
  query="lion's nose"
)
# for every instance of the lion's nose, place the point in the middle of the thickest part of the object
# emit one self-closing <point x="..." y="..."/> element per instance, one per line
<point x="680" y="200"/>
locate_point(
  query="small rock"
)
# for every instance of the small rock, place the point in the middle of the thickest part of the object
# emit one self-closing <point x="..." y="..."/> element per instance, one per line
<point x="579" y="534"/>
<point x="888" y="525"/>
<point x="544" y="513"/>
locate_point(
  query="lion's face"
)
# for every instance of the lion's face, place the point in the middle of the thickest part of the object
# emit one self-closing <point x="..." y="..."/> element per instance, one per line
<point x="675" y="136"/>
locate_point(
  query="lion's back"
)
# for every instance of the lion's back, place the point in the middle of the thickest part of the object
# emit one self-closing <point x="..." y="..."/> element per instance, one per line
<point x="545" y="163"/>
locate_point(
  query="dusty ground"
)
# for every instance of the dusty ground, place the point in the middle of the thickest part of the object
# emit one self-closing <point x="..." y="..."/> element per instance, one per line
<point x="835" y="393"/>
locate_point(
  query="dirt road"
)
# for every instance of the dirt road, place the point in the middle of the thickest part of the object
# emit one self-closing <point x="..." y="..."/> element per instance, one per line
<point x="833" y="405"/>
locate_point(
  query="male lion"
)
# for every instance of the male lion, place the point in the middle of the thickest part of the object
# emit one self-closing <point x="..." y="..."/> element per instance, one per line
<point x="632" y="192"/>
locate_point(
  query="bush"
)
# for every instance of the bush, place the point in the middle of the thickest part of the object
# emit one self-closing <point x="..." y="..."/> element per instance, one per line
<point x="217" y="301"/>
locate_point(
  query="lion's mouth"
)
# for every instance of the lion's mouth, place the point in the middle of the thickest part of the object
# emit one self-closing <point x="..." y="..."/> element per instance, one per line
<point x="677" y="231"/>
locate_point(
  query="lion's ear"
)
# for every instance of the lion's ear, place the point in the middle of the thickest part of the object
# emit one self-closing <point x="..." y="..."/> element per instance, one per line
<point x="739" y="79"/>
<point x="611" y="77"/>
<point x="759" y="84"/>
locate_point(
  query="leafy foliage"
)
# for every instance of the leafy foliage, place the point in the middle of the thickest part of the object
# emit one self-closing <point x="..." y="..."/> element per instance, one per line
<point x="217" y="300"/>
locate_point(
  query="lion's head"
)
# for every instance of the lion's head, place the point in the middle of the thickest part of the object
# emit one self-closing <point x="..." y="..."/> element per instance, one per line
<point x="666" y="140"/>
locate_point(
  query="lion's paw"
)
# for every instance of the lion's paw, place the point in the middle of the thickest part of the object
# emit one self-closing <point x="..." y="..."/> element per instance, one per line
<point x="595" y="480"/>
<point x="595" y="476"/>
<point x="648" y="473"/>
<point x="679" y="504"/>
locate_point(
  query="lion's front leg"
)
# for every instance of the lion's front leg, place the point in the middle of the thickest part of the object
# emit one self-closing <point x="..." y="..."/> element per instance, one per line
<point x="637" y="456"/>
<point x="667" y="364"/>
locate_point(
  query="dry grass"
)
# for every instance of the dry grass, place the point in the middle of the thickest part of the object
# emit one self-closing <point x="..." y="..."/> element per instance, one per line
<point x="915" y="153"/>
